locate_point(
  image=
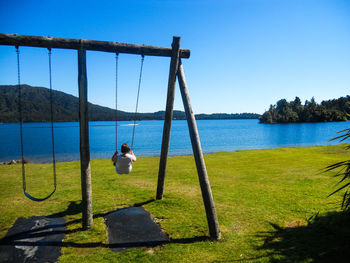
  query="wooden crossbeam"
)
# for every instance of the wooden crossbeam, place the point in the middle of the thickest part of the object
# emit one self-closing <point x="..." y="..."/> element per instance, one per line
<point x="105" y="46"/>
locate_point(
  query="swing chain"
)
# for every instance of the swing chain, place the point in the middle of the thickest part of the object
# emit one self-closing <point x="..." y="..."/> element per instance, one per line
<point x="51" y="117"/>
<point x="20" y="117"/>
<point x="137" y="100"/>
<point x="116" y="100"/>
<point x="21" y="129"/>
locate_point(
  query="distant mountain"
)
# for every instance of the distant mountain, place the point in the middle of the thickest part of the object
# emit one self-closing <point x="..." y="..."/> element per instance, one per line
<point x="36" y="108"/>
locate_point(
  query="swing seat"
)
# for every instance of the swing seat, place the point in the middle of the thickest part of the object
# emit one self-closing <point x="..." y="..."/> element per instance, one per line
<point x="39" y="199"/>
<point x="21" y="130"/>
<point x="121" y="172"/>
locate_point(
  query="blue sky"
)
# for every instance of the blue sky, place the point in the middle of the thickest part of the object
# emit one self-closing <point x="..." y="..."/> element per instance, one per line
<point x="245" y="54"/>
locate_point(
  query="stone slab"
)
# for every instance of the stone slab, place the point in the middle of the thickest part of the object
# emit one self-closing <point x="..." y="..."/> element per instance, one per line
<point x="35" y="239"/>
<point x="133" y="227"/>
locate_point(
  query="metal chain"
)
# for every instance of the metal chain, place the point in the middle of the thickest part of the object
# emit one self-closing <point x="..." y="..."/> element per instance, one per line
<point x="137" y="101"/>
<point x="20" y="117"/>
<point x="51" y="116"/>
<point x="116" y="100"/>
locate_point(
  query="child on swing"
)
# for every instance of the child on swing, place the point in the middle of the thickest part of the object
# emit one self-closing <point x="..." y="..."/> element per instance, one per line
<point x="123" y="161"/>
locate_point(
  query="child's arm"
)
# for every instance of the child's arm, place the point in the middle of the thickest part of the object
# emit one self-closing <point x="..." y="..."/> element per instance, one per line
<point x="115" y="158"/>
<point x="133" y="157"/>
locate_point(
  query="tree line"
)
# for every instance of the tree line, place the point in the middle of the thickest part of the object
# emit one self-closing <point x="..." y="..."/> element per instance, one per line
<point x="294" y="111"/>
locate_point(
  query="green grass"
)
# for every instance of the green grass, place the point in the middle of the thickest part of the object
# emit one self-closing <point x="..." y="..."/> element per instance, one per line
<point x="259" y="195"/>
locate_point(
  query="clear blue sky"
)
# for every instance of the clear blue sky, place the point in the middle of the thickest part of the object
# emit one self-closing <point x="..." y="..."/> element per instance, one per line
<point x="245" y="54"/>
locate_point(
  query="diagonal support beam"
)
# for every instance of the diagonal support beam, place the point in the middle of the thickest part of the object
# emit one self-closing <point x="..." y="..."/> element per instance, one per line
<point x="198" y="156"/>
<point x="174" y="64"/>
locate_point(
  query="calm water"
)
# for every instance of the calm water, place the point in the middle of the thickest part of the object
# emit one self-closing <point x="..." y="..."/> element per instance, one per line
<point x="216" y="135"/>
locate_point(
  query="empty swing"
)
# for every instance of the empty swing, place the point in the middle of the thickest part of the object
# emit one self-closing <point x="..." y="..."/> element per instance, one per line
<point x="21" y="130"/>
<point x="123" y="162"/>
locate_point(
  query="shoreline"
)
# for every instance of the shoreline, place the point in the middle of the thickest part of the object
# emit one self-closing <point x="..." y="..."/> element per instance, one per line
<point x="49" y="160"/>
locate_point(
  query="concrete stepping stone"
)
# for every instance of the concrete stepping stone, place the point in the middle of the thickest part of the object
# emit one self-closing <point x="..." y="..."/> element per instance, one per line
<point x="36" y="239"/>
<point x="133" y="227"/>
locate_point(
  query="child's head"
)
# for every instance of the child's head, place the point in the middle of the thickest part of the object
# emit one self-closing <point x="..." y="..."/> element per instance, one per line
<point x="125" y="148"/>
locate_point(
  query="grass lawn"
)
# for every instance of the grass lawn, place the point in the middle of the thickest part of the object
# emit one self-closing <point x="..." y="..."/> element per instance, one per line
<point x="263" y="198"/>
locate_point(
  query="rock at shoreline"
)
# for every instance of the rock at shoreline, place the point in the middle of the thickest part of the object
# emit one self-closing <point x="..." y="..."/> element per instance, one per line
<point x="15" y="162"/>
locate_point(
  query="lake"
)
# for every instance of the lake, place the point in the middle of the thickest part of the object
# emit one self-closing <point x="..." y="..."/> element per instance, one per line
<point x="215" y="135"/>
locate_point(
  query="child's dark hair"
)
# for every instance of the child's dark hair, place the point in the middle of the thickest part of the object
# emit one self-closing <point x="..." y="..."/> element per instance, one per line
<point x="125" y="148"/>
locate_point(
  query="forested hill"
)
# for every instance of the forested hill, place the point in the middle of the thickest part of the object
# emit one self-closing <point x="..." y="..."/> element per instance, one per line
<point x="293" y="111"/>
<point x="36" y="108"/>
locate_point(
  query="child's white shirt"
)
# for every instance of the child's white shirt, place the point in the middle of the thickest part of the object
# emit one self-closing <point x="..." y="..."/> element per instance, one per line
<point x="124" y="163"/>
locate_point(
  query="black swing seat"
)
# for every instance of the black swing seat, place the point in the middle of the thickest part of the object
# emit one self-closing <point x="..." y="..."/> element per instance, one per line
<point x="39" y="199"/>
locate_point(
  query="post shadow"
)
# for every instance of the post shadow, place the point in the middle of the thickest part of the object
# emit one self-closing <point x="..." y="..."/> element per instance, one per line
<point x="22" y="238"/>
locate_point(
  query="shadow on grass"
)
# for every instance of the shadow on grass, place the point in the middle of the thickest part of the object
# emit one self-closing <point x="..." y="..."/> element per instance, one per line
<point x="30" y="237"/>
<point x="144" y="203"/>
<point x="73" y="208"/>
<point x="102" y="245"/>
<point x="325" y="238"/>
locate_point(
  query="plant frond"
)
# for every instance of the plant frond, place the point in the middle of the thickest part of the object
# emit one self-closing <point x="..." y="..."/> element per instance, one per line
<point x="346" y="176"/>
<point x="341" y="188"/>
<point x="344" y="136"/>
<point x="342" y="169"/>
<point x="346" y="200"/>
<point x="335" y="166"/>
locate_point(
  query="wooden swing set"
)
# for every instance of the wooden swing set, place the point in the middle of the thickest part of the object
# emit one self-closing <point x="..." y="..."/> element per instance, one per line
<point x="176" y="72"/>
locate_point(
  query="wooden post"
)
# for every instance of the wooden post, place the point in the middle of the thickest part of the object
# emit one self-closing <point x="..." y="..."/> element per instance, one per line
<point x="198" y="156"/>
<point x="174" y="63"/>
<point x="84" y="142"/>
